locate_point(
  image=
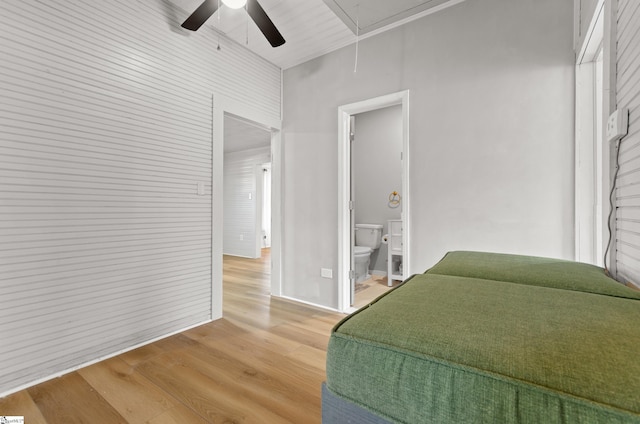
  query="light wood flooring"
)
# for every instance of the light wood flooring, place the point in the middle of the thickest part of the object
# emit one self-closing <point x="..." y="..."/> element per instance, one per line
<point x="370" y="289"/>
<point x="264" y="362"/>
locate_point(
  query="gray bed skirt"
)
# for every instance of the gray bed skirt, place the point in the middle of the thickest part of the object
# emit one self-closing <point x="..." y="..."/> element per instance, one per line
<point x="336" y="410"/>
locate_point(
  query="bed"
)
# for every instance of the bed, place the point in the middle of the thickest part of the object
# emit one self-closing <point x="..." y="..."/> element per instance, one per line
<point x="490" y="338"/>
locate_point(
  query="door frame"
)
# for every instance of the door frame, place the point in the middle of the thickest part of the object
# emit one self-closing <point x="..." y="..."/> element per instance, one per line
<point x="220" y="106"/>
<point x="590" y="147"/>
<point x="344" y="187"/>
<point x="260" y="173"/>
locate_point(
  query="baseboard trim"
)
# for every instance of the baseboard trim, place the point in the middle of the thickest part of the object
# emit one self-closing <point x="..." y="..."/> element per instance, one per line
<point x="95" y="361"/>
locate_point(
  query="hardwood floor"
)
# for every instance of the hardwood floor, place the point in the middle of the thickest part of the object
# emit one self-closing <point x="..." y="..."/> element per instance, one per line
<point x="370" y="289"/>
<point x="263" y="362"/>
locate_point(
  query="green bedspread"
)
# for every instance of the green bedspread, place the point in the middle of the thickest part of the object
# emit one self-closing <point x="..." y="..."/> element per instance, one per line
<point x="452" y="349"/>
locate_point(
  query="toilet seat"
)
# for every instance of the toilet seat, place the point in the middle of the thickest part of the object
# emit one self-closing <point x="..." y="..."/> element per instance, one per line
<point x="361" y="250"/>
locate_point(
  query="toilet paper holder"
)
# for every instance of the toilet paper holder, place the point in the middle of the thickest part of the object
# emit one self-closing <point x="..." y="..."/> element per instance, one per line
<point x="394" y="199"/>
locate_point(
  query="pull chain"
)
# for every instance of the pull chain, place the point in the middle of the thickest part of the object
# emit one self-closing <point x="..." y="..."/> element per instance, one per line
<point x="218" y="30"/>
<point x="355" y="66"/>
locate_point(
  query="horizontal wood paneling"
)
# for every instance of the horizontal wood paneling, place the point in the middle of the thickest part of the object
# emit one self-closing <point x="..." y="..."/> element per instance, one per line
<point x="105" y="134"/>
<point x="628" y="182"/>
<point x="240" y="209"/>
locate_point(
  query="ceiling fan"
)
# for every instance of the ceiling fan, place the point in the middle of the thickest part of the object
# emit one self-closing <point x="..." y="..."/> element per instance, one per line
<point x="255" y="11"/>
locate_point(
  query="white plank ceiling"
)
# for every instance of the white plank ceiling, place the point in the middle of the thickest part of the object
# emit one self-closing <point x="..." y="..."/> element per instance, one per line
<point x="312" y="28"/>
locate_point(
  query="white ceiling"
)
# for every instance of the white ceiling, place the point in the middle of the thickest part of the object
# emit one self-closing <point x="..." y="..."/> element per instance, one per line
<point x="312" y="28"/>
<point x="364" y="17"/>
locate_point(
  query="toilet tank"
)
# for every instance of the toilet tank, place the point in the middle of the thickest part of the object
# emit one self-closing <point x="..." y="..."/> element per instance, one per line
<point x="368" y="235"/>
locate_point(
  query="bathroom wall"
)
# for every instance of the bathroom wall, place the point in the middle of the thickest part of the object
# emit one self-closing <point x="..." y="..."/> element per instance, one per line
<point x="376" y="169"/>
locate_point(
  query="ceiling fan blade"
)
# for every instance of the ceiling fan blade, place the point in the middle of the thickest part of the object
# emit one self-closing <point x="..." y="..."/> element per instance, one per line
<point x="202" y="13"/>
<point x="263" y="22"/>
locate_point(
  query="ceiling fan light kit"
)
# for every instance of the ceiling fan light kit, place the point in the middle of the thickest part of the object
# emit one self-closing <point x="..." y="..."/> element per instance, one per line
<point x="234" y="4"/>
<point x="255" y="11"/>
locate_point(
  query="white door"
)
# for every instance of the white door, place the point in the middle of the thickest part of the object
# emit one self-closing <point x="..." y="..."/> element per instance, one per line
<point x="352" y="219"/>
<point x="266" y="205"/>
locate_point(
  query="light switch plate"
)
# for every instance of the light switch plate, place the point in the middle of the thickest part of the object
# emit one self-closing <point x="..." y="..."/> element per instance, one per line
<point x="618" y="124"/>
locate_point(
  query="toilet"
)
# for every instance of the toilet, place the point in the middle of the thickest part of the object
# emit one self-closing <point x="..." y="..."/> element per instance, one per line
<point x="368" y="237"/>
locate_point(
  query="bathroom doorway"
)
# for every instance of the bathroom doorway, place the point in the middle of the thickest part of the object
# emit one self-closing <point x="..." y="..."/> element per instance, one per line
<point x="376" y="193"/>
<point x="347" y="206"/>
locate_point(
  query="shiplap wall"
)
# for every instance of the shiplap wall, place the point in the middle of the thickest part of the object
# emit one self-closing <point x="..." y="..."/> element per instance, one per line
<point x="241" y="201"/>
<point x="105" y="133"/>
<point x="628" y="182"/>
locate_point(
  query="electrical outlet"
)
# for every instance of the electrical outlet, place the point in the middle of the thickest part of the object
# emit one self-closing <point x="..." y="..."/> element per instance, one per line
<point x="326" y="273"/>
<point x="618" y="124"/>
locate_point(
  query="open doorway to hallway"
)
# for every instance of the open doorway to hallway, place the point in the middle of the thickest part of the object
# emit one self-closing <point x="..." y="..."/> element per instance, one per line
<point x="226" y="115"/>
<point x="247" y="156"/>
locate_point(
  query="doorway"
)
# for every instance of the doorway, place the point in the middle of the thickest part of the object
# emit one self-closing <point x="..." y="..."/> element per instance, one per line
<point x="224" y="108"/>
<point x="376" y="193"/>
<point x="346" y="265"/>
<point x="247" y="150"/>
<point x="590" y="150"/>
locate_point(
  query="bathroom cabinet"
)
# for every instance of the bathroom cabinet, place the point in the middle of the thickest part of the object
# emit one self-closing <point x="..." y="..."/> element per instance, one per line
<point x="394" y="261"/>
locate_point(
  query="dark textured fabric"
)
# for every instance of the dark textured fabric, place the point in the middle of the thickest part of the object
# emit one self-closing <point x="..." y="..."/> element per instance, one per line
<point x="449" y="349"/>
<point x="337" y="410"/>
<point x="532" y="270"/>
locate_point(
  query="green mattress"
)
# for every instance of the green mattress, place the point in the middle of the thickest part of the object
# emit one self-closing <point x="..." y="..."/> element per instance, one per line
<point x="532" y="270"/>
<point x="455" y="349"/>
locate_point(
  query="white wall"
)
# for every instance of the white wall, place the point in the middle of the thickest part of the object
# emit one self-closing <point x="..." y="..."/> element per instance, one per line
<point x="241" y="201"/>
<point x="377" y="171"/>
<point x="491" y="132"/>
<point x="105" y="133"/>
